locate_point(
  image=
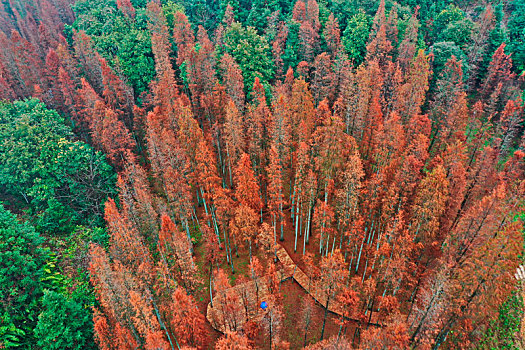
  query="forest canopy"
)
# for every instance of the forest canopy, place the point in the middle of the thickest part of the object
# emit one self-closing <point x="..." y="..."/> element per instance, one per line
<point x="277" y="174"/>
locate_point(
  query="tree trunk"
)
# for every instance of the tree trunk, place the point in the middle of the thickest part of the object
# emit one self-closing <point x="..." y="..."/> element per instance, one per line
<point x="305" y="333"/>
<point x="211" y="294"/>
<point x="325" y="313"/>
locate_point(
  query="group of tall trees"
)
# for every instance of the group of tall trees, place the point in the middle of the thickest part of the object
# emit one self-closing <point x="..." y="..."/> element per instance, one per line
<point x="153" y="143"/>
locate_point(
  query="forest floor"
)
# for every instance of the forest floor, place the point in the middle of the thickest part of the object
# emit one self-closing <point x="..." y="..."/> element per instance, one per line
<point x="293" y="293"/>
<point x="292" y="332"/>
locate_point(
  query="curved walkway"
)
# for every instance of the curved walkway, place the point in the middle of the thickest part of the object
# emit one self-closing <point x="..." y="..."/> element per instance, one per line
<point x="251" y="293"/>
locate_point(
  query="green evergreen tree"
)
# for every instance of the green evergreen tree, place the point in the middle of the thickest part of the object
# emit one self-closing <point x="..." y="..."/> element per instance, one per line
<point x="452" y="25"/>
<point x="355" y="37"/>
<point x="252" y="52"/>
<point x="125" y="42"/>
<point x="516" y="27"/>
<point x="21" y="268"/>
<point x="63" y="324"/>
<point x="290" y="56"/>
<point x="59" y="181"/>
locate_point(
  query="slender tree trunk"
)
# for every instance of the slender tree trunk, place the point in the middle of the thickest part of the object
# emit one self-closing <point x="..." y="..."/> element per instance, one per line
<point x="325" y="313"/>
<point x="297" y="229"/>
<point x="364" y="271"/>
<point x="230" y="252"/>
<point x="304" y="243"/>
<point x="226" y="246"/>
<point x="371" y="311"/>
<point x="271" y="329"/>
<point x="215" y="225"/>
<point x="360" y="250"/>
<point x="327" y="243"/>
<point x="211" y="294"/>
<point x="305" y="333"/>
<point x="250" y="244"/>
<point x="292" y="201"/>
<point x="281" y="217"/>
<point x="274" y="237"/>
<point x="219" y="153"/>
<point x="229" y="167"/>
<point x="190" y="244"/>
<point x="162" y="325"/>
<point x="322" y="223"/>
<point x="309" y="222"/>
<point x="205" y="206"/>
<point x="296" y="220"/>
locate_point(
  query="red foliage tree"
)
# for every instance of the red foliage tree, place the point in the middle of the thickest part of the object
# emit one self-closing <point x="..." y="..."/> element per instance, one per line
<point x="115" y="138"/>
<point x="52" y="77"/>
<point x="332" y="275"/>
<point x="126" y="8"/>
<point x="332" y="35"/>
<point x="323" y="79"/>
<point x="165" y="88"/>
<point x="233" y="341"/>
<point x="116" y="94"/>
<point x="246" y="188"/>
<point x="228" y="313"/>
<point x="183" y="36"/>
<point x="175" y="250"/>
<point x="233" y="131"/>
<point x="233" y="80"/>
<point x="275" y="191"/>
<point x="379" y="46"/>
<point x="89" y="59"/>
<point x="499" y="71"/>
<point x="136" y="197"/>
<point x="186" y="321"/>
<point x="410" y="95"/>
<point x="278" y="48"/>
<point x="449" y="110"/>
<point x="407" y="47"/>
<point x="212" y="249"/>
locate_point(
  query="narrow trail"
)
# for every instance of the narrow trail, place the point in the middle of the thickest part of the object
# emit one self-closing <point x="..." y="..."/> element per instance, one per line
<point x="223" y="319"/>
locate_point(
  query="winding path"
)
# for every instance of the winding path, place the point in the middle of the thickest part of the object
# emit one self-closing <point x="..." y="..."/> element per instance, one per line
<point x="222" y="319"/>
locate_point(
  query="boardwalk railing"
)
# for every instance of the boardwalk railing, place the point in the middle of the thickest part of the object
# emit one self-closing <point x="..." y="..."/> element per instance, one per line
<point x="252" y="293"/>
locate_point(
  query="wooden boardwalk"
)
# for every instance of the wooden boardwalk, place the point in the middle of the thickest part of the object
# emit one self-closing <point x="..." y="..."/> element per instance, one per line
<point x="246" y="298"/>
<point x="251" y="294"/>
<point x="304" y="281"/>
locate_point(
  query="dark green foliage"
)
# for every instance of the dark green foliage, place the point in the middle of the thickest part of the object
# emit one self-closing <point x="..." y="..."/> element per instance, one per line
<point x="60" y="182"/>
<point x="458" y="32"/>
<point x="324" y="13"/>
<point x="170" y="8"/>
<point x="516" y="27"/>
<point x="503" y="332"/>
<point x="237" y="11"/>
<point x="442" y="51"/>
<point x="202" y="13"/>
<point x="252" y="52"/>
<point x="261" y="10"/>
<point x="355" y="37"/>
<point x="21" y="269"/>
<point x="497" y="36"/>
<point x="123" y="41"/>
<point x="450" y="14"/>
<point x="63" y="324"/>
<point x="343" y="10"/>
<point x="290" y="56"/>
<point x="451" y="25"/>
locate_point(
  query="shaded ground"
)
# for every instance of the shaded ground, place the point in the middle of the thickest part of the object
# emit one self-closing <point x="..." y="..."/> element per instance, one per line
<point x="289" y="242"/>
<point x="292" y="330"/>
<point x="293" y="294"/>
